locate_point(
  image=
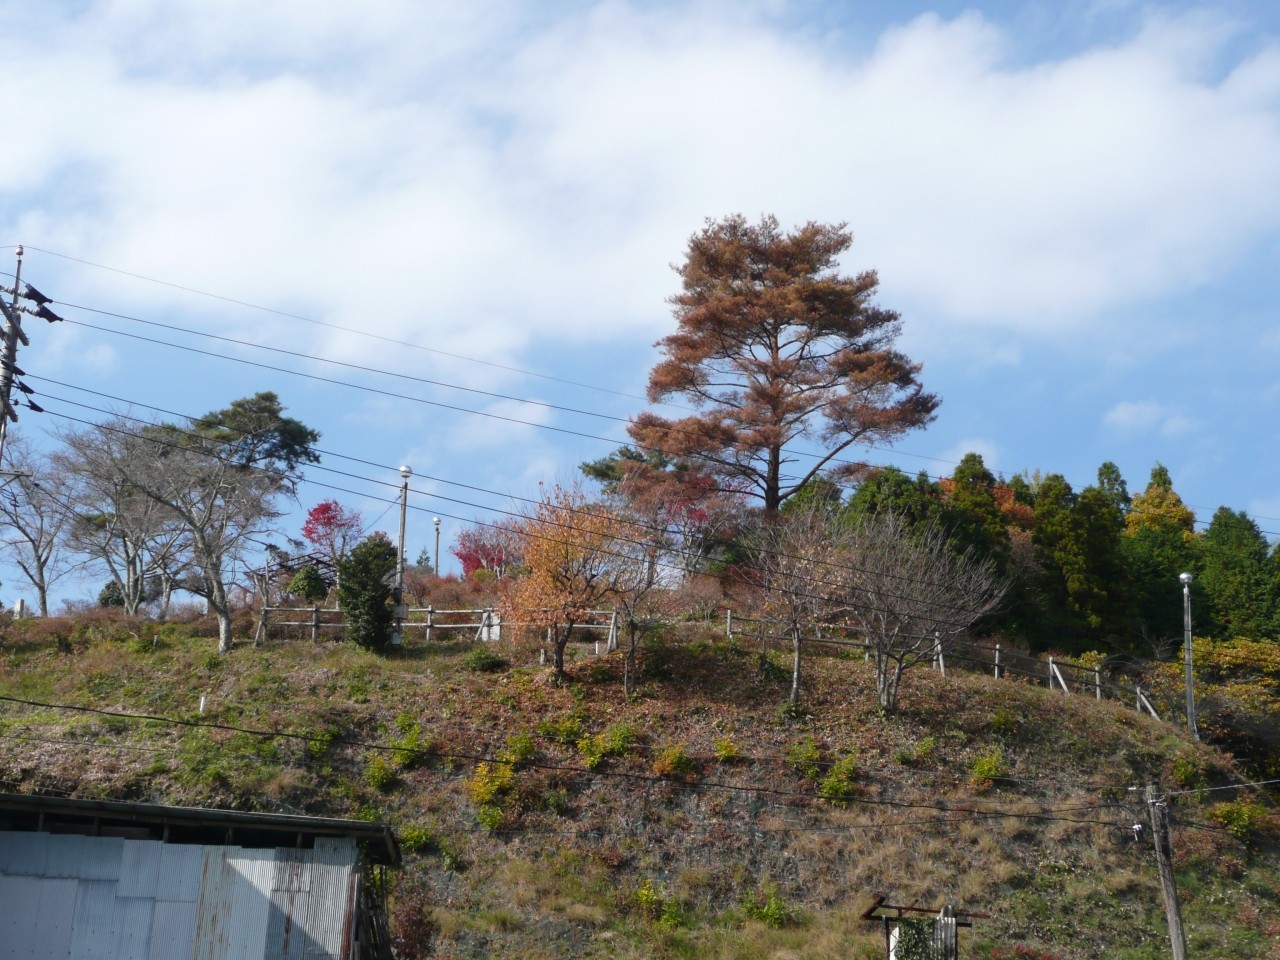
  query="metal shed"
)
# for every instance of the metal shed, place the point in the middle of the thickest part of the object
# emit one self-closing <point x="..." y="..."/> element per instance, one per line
<point x="102" y="880"/>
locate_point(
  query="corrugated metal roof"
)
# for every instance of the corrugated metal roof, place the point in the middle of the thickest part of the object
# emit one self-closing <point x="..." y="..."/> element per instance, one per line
<point x="215" y="826"/>
<point x="108" y="898"/>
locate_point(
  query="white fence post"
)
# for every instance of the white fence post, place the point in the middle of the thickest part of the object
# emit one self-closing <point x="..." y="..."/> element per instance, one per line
<point x="997" y="661"/>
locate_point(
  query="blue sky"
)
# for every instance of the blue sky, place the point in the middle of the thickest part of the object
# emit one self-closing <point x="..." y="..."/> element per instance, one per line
<point x="1075" y="207"/>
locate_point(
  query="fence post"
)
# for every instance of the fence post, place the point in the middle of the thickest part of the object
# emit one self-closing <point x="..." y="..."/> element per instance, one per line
<point x="728" y="622"/>
<point x="1051" y="673"/>
<point x="937" y="650"/>
<point x="1138" y="689"/>
<point x="1097" y="683"/>
<point x="613" y="632"/>
<point x="430" y="620"/>
<point x="261" y="632"/>
<point x="315" y="623"/>
<point x="997" y="661"/>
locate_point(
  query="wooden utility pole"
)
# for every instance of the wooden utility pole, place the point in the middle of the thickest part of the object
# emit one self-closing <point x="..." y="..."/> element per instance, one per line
<point x="1164" y="863"/>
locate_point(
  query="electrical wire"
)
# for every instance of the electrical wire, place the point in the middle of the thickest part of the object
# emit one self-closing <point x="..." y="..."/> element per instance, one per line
<point x="403" y="343"/>
<point x="720" y="462"/>
<point x="935" y="620"/>
<point x="343" y="329"/>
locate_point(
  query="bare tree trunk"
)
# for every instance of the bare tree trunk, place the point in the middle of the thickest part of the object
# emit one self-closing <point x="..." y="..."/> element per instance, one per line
<point x="795" y="665"/>
<point x="562" y="641"/>
<point x="629" y="663"/>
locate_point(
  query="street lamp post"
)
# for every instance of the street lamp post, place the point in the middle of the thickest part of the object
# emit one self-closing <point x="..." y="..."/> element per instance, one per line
<point x="397" y="635"/>
<point x="436" y="555"/>
<point x="1185" y="580"/>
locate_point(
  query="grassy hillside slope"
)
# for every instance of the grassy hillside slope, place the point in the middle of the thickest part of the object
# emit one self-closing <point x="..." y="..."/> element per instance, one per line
<point x="696" y="820"/>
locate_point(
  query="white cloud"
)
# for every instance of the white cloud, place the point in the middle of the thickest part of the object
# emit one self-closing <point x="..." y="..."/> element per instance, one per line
<point x="1129" y="415"/>
<point x="1148" y="416"/>
<point x="497" y="174"/>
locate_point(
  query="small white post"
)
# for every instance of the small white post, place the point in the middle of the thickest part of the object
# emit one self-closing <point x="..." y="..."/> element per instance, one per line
<point x="997" y="661"/>
<point x="1097" y="683"/>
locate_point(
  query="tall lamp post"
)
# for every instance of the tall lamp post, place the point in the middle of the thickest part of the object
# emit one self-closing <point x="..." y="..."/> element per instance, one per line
<point x="436" y="555"/>
<point x="397" y="635"/>
<point x="1185" y="580"/>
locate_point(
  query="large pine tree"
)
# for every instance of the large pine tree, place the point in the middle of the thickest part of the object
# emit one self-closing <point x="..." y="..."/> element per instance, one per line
<point x="775" y="346"/>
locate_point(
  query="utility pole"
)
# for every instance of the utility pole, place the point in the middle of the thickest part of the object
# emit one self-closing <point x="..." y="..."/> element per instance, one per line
<point x="1164" y="864"/>
<point x="13" y="334"/>
<point x="397" y="635"/>
<point x="8" y="362"/>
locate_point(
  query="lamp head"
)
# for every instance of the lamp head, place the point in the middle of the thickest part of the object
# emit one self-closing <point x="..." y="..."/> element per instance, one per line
<point x="436" y="521"/>
<point x="405" y="472"/>
<point x="1185" y="579"/>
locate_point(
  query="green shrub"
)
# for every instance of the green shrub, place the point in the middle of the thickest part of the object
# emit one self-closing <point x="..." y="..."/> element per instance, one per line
<point x="765" y="905"/>
<point x="484" y="660"/>
<point x="320" y="744"/>
<point x="1185" y="770"/>
<point x="675" y="763"/>
<point x="839" y="785"/>
<point x="491" y="783"/>
<point x="649" y="898"/>
<point x="619" y="738"/>
<point x="521" y="748"/>
<point x="987" y="766"/>
<point x="727" y="751"/>
<point x="562" y="729"/>
<point x="805" y="758"/>
<point x="657" y="907"/>
<point x="1002" y="721"/>
<point x="926" y="749"/>
<point x="379" y="773"/>
<point x="418" y="840"/>
<point x="410" y="748"/>
<point x="613" y="742"/>
<point x="1242" y="818"/>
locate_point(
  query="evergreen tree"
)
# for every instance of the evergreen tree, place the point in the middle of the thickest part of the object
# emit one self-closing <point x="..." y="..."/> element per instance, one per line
<point x="365" y="576"/>
<point x="1158" y="545"/>
<point x="1235" y="578"/>
<point x="915" y="502"/>
<point x="973" y="514"/>
<point x="1111" y="483"/>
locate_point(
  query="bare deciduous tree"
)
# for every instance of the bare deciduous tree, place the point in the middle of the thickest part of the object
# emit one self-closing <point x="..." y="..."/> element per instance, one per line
<point x="33" y="517"/>
<point x="912" y="596"/>
<point x="112" y="522"/>
<point x="805" y="555"/>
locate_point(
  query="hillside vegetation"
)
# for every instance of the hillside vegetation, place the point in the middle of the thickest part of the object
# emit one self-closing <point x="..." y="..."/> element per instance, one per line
<point x="694" y="819"/>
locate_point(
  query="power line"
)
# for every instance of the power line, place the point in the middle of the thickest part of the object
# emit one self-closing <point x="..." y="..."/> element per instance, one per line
<point x="939" y="621"/>
<point x="335" y="326"/>
<point x="428" y="349"/>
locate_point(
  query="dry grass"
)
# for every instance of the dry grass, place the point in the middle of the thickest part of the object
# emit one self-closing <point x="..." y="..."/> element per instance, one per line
<point x="562" y="880"/>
